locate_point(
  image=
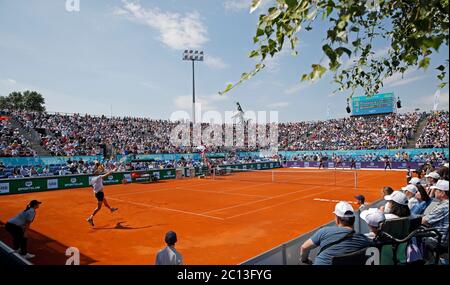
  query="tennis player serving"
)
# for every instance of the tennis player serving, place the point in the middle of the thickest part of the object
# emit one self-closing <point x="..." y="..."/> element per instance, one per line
<point x="97" y="185"/>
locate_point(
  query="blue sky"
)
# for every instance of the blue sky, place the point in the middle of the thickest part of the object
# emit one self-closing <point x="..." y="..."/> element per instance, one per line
<point x="127" y="54"/>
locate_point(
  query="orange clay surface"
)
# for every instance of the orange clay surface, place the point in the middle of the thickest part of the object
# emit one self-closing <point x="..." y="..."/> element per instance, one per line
<point x="217" y="221"/>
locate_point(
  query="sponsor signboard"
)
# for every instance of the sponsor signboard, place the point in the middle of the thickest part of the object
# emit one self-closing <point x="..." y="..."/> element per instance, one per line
<point x="52" y="184"/>
<point x="4" y="188"/>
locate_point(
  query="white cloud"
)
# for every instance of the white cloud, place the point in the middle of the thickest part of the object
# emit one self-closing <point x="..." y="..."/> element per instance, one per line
<point x="183" y="102"/>
<point x="148" y="85"/>
<point x="208" y="102"/>
<point x="399" y="79"/>
<point x="407" y="80"/>
<point x="12" y="81"/>
<point x="428" y="101"/>
<point x="120" y="12"/>
<point x="279" y="104"/>
<point x="299" y="87"/>
<point x="239" y="5"/>
<point x="273" y="63"/>
<point x="175" y="30"/>
<point x="215" y="62"/>
<point x="378" y="53"/>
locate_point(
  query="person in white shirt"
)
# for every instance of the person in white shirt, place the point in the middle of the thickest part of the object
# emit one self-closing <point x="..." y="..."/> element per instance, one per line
<point x="97" y="185"/>
<point x="410" y="192"/>
<point x="374" y="218"/>
<point x="169" y="255"/>
<point x="432" y="178"/>
<point x="396" y="206"/>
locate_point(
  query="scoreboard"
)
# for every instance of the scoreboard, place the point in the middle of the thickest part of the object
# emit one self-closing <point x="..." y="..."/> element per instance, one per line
<point x="376" y="104"/>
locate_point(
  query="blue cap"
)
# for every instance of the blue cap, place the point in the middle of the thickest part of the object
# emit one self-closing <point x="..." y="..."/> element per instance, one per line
<point x="360" y="198"/>
<point x="171" y="237"/>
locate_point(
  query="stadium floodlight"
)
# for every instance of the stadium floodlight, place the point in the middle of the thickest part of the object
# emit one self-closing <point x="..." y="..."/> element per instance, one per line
<point x="193" y="55"/>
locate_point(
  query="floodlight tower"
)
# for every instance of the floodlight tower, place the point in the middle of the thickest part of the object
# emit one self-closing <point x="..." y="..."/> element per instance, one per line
<point x="193" y="55"/>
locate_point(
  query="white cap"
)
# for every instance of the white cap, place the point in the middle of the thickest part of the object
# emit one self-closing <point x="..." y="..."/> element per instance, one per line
<point x="342" y="208"/>
<point x="446" y="164"/>
<point x="414" y="181"/>
<point x="398" y="197"/>
<point x="411" y="188"/>
<point x="373" y="217"/>
<point x="433" y="174"/>
<point x="441" y="185"/>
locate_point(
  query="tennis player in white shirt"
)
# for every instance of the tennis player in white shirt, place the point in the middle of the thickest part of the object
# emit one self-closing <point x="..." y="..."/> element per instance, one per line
<point x="97" y="185"/>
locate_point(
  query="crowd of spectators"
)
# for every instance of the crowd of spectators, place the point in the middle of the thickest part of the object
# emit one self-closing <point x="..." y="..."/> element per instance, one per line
<point x="12" y="143"/>
<point x="435" y="133"/>
<point x="70" y="135"/>
<point x="433" y="157"/>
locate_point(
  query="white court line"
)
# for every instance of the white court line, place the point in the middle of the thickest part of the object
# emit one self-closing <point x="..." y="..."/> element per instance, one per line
<point x="255" y="184"/>
<point x="252" y="202"/>
<point x="218" y="192"/>
<point x="151" y="190"/>
<point x="167" y="209"/>
<point x="140" y="192"/>
<point x="267" y="199"/>
<point x="276" y="205"/>
<point x="193" y="190"/>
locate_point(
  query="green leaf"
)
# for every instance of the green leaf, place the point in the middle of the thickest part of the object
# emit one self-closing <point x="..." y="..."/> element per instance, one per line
<point x="433" y="42"/>
<point x="329" y="10"/>
<point x="259" y="32"/>
<point x="424" y="63"/>
<point x="253" y="54"/>
<point x="260" y="66"/>
<point x="304" y="77"/>
<point x="255" y="5"/>
<point x="441" y="67"/>
<point x="244" y="76"/>
<point x="274" y="14"/>
<point x="268" y="30"/>
<point x="342" y="36"/>
<point x="356" y="43"/>
<point x="354" y="29"/>
<point x="339" y="50"/>
<point x="228" y="88"/>
<point x="291" y="3"/>
<point x="329" y="52"/>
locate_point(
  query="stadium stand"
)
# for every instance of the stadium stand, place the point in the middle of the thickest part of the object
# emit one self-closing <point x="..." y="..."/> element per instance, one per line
<point x="69" y="135"/>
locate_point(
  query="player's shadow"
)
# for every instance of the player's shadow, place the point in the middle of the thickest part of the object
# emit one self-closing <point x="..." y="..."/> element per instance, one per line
<point x="121" y="226"/>
<point x="47" y="250"/>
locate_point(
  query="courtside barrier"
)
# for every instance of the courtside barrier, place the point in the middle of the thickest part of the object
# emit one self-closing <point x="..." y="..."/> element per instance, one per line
<point x="358" y="165"/>
<point x="289" y="253"/>
<point x="8" y="257"/>
<point x="47" y="183"/>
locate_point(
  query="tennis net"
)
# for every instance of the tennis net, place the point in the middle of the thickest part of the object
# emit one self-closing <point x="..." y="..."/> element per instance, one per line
<point x="344" y="178"/>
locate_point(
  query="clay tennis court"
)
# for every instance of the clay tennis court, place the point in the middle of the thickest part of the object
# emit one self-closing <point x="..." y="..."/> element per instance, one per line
<point x="218" y="221"/>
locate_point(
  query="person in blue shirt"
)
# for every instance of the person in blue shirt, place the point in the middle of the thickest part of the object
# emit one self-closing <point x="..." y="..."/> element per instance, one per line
<point x="424" y="201"/>
<point x="337" y="240"/>
<point x="18" y="228"/>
